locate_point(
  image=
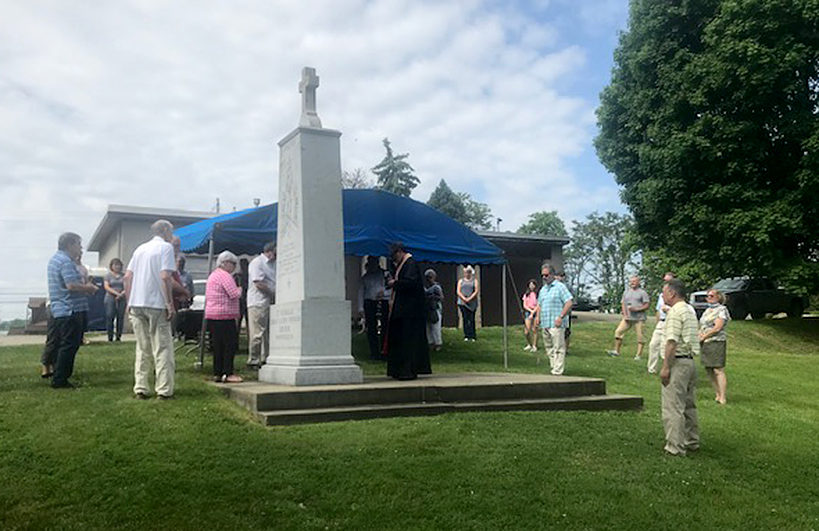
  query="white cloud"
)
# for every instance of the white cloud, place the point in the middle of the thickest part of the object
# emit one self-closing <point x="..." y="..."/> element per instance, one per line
<point x="174" y="104"/>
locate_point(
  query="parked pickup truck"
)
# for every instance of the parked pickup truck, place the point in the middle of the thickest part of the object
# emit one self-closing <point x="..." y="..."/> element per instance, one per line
<point x="754" y="296"/>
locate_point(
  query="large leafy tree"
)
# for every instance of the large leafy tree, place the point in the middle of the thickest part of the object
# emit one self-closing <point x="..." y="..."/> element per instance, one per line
<point x="461" y="207"/>
<point x="547" y="223"/>
<point x="603" y="254"/>
<point x="448" y="202"/>
<point x="478" y="215"/>
<point x="394" y="174"/>
<point x="711" y="126"/>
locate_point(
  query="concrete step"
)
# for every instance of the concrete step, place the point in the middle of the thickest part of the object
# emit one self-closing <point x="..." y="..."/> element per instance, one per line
<point x="429" y="395"/>
<point x="372" y="411"/>
<point x="259" y="397"/>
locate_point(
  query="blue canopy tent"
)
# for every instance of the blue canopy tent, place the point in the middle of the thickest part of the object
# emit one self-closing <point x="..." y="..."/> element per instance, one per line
<point x="373" y="219"/>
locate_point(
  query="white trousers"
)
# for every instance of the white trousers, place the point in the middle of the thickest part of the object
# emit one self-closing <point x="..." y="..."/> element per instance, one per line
<point x="153" y="342"/>
<point x="258" y="331"/>
<point x="434" y="332"/>
<point x="554" y="341"/>
<point x="655" y="348"/>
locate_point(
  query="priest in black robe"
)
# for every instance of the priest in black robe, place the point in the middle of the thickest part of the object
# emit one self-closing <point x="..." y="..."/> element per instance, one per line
<point x="407" y="349"/>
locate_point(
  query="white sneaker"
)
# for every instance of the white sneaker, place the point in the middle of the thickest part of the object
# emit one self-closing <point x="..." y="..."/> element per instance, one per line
<point x="637" y="358"/>
<point x="527" y="348"/>
<point x="466" y="339"/>
<point x="534" y="349"/>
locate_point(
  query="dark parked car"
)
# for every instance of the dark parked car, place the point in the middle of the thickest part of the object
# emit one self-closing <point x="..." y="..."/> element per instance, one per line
<point x="584" y="304"/>
<point x="754" y="296"/>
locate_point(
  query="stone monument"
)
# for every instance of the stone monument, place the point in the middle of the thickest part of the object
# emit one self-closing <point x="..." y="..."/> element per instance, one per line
<point x="310" y="322"/>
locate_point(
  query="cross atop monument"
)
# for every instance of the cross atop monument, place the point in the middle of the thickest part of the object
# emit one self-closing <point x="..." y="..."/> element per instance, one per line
<point x="307" y="87"/>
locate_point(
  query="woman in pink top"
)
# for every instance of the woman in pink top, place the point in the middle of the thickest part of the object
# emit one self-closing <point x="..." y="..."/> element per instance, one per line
<point x="530" y="307"/>
<point x="221" y="310"/>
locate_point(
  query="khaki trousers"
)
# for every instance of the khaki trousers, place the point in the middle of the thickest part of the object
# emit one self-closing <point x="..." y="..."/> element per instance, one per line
<point x="554" y="341"/>
<point x="680" y="408"/>
<point x="258" y="332"/>
<point x="153" y="341"/>
<point x="625" y="325"/>
<point x="655" y="347"/>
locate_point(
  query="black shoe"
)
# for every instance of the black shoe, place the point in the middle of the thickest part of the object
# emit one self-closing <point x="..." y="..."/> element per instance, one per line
<point x="141" y="396"/>
<point x="64" y="385"/>
<point x="164" y="397"/>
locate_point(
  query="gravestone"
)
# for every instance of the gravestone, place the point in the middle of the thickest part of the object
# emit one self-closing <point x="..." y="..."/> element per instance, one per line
<point x="310" y="322"/>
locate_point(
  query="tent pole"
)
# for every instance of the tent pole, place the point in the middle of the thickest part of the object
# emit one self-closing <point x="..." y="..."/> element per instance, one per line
<point x="505" y="334"/>
<point x="201" y="361"/>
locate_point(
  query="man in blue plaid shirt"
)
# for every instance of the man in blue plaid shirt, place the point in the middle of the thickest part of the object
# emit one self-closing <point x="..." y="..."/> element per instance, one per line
<point x="66" y="292"/>
<point x="554" y="305"/>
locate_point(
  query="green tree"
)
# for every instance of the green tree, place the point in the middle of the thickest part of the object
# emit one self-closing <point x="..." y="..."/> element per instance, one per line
<point x="394" y="174"/>
<point x="545" y="223"/>
<point x="577" y="259"/>
<point x="478" y="215"/>
<point x="711" y="126"/>
<point x="448" y="202"/>
<point x="461" y="207"/>
<point x="606" y="243"/>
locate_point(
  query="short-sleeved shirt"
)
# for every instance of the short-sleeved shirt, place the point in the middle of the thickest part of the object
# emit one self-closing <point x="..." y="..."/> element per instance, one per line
<point x="635" y="297"/>
<point x="708" y="321"/>
<point x="372" y="285"/>
<point x="551" y="298"/>
<point x="529" y="300"/>
<point x="115" y="282"/>
<point x="79" y="299"/>
<point x="61" y="271"/>
<point x="659" y="306"/>
<point x="149" y="259"/>
<point x="221" y="296"/>
<point x="436" y="293"/>
<point x="262" y="270"/>
<point x="681" y="326"/>
<point x="186" y="280"/>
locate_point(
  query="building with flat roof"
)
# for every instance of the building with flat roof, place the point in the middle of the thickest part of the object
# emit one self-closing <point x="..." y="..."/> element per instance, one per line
<point x="123" y="228"/>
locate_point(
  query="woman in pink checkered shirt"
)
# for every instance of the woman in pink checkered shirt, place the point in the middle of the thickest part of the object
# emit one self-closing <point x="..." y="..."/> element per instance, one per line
<point x="221" y="310"/>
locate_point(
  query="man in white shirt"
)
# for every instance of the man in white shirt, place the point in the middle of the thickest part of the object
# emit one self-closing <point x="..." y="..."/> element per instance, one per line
<point x="261" y="293"/>
<point x="149" y="291"/>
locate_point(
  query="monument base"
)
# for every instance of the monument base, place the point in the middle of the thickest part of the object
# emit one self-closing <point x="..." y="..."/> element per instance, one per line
<point x="310" y="344"/>
<point x="316" y="375"/>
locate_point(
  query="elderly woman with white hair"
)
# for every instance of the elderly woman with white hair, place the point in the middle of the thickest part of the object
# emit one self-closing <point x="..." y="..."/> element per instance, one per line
<point x="221" y="310"/>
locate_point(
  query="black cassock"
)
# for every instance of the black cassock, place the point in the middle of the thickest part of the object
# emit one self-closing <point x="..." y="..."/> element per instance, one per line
<point x="407" y="349"/>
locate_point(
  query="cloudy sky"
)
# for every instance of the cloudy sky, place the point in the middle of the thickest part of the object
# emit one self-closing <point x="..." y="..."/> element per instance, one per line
<point x="175" y="103"/>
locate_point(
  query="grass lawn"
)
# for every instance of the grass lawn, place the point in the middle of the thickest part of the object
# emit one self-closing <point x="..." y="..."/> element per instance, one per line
<point x="95" y="458"/>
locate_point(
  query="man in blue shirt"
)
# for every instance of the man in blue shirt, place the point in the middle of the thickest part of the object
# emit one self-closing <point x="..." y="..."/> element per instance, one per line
<point x="554" y="305"/>
<point x="66" y="292"/>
